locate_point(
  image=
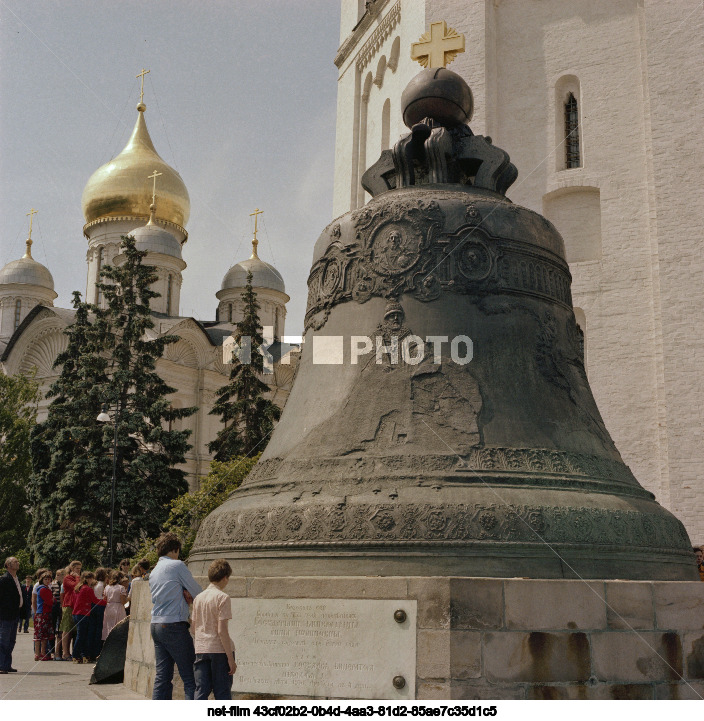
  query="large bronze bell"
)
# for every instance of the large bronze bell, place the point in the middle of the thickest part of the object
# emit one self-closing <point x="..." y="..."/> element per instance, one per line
<point x="441" y="422"/>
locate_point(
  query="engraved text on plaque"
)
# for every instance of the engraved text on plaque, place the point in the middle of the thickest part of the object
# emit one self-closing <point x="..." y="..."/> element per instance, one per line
<point x="324" y="648"/>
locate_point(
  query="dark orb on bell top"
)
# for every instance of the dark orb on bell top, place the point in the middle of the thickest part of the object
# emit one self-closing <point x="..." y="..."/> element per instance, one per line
<point x="440" y="94"/>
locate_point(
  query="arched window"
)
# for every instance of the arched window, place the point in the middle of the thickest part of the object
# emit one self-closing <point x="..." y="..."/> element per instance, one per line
<point x="362" y="154"/>
<point x="394" y="54"/>
<point x="18" y="313"/>
<point x="276" y="324"/>
<point x="229" y="313"/>
<point x="572" y="154"/>
<point x="98" y="292"/>
<point x="169" y="284"/>
<point x="385" y="124"/>
<point x="380" y="70"/>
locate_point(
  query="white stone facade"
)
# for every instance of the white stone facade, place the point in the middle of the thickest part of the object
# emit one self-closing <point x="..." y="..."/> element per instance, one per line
<point x="104" y="239"/>
<point x="16" y="301"/>
<point x="272" y="308"/>
<point x="631" y="214"/>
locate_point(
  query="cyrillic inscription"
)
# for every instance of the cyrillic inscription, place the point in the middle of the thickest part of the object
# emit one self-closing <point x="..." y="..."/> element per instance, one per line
<point x="324" y="648"/>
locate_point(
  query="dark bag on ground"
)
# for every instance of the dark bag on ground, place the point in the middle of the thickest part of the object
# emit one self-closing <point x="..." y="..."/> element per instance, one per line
<point x="111" y="663"/>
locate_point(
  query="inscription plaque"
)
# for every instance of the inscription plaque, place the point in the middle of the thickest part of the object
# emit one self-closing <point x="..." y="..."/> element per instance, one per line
<point x="324" y="648"/>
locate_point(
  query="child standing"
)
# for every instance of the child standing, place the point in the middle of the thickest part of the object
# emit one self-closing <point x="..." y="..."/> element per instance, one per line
<point x="115" y="596"/>
<point x="97" y="613"/>
<point x="215" y="653"/>
<point x="82" y="604"/>
<point x="43" y="627"/>
<point x="56" y="613"/>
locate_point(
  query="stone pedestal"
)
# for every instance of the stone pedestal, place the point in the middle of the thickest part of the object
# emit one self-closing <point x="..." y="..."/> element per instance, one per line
<point x="488" y="638"/>
<point x="139" y="662"/>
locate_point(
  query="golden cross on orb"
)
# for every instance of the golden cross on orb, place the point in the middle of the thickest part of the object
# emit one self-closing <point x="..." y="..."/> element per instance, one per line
<point x="255" y="242"/>
<point x="28" y="252"/>
<point x="154" y="175"/>
<point x="141" y="92"/>
<point x="31" y="215"/>
<point x="438" y="47"/>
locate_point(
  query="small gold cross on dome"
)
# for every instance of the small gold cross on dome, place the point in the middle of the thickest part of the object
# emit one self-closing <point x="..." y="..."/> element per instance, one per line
<point x="31" y="215"/>
<point x="438" y="47"/>
<point x="255" y="242"/>
<point x="141" y="92"/>
<point x="154" y="176"/>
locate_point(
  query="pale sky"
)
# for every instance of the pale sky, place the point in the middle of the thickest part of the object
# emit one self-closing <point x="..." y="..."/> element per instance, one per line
<point x="240" y="100"/>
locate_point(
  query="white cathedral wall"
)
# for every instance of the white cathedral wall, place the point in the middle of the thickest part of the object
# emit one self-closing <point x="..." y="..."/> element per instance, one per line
<point x="351" y="79"/>
<point x="637" y="70"/>
<point x="674" y="40"/>
<point x="272" y="308"/>
<point x="538" y="43"/>
<point x="29" y="297"/>
<point x="107" y="236"/>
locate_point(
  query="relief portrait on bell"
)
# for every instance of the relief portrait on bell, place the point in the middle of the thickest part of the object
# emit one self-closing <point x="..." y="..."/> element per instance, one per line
<point x="395" y="247"/>
<point x="405" y="394"/>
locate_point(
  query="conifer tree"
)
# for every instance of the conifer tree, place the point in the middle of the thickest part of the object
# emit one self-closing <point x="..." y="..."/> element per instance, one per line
<point x="67" y="490"/>
<point x="19" y="396"/>
<point x="248" y="417"/>
<point x="109" y="360"/>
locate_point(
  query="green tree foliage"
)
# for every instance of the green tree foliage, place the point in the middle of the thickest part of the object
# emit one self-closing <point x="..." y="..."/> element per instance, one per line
<point x="19" y="396"/>
<point x="189" y="509"/>
<point x="110" y="360"/>
<point x="248" y="416"/>
<point x="70" y="454"/>
<point x="27" y="568"/>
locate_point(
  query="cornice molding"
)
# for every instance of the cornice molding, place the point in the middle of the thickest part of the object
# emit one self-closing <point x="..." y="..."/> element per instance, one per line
<point x="373" y="43"/>
<point x="113" y="218"/>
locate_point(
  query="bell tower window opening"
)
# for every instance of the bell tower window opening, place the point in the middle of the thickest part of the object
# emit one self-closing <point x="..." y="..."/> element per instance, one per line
<point x="18" y="313"/>
<point x="572" y="154"/>
<point x="169" y="285"/>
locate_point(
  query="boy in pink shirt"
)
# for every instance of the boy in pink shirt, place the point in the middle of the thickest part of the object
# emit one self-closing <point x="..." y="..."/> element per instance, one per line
<point x="215" y="652"/>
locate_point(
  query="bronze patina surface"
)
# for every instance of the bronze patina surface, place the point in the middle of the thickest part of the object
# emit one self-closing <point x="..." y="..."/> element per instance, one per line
<point x="501" y="466"/>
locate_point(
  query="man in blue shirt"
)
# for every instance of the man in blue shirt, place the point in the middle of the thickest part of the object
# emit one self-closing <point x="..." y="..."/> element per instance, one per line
<point x="173" y="588"/>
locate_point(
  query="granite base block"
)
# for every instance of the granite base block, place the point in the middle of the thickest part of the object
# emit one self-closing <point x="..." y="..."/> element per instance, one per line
<point x="490" y="638"/>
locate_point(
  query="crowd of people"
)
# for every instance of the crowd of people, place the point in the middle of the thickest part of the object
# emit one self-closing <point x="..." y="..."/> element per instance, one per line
<point x="72" y="610"/>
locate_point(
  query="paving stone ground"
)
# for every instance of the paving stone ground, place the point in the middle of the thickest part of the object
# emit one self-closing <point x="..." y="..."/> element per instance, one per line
<point x="46" y="680"/>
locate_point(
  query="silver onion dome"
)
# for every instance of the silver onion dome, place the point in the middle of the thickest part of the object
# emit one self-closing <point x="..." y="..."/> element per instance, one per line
<point x="263" y="275"/>
<point x="26" y="271"/>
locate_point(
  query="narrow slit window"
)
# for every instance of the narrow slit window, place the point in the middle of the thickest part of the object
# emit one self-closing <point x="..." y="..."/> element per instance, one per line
<point x="18" y="313"/>
<point x="98" y="292"/>
<point x="573" y="159"/>
<point x="168" y="295"/>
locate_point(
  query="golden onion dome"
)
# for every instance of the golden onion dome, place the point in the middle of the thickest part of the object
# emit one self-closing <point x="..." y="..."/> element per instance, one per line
<point x="121" y="187"/>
